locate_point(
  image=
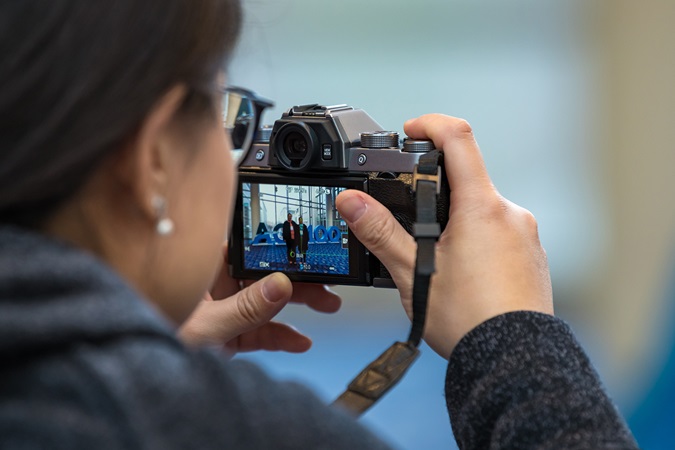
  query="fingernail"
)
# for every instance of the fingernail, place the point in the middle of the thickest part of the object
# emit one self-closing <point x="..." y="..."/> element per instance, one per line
<point x="352" y="208"/>
<point x="273" y="290"/>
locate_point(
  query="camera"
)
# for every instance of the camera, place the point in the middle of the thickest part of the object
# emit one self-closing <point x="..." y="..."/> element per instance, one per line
<point x="285" y="218"/>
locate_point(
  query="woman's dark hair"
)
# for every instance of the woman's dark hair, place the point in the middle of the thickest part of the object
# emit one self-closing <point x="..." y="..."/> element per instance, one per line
<point x="77" y="77"/>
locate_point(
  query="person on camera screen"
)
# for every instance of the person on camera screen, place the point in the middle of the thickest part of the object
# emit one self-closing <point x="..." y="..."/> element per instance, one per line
<point x="291" y="235"/>
<point x="303" y="239"/>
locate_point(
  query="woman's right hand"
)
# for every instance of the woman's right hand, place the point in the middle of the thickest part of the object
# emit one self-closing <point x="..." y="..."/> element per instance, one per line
<point x="489" y="260"/>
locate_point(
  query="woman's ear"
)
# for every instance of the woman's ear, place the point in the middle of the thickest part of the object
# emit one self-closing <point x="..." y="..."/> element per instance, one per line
<point x="145" y="163"/>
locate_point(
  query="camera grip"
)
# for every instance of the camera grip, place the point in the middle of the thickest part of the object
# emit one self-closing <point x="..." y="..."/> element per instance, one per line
<point x="395" y="192"/>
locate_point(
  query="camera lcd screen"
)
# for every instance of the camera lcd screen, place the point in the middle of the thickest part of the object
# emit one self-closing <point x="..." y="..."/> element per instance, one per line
<point x="294" y="228"/>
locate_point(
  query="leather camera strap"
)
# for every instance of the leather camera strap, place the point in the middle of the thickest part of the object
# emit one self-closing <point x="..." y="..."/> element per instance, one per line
<point x="385" y="371"/>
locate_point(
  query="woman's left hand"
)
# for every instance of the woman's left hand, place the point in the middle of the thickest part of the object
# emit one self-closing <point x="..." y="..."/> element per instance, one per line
<point x="241" y="321"/>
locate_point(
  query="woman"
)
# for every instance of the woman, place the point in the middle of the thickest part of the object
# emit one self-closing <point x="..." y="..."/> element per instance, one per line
<point x="116" y="190"/>
<point x="303" y="241"/>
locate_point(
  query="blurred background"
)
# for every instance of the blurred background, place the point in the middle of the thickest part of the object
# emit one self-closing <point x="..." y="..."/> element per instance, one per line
<point x="573" y="104"/>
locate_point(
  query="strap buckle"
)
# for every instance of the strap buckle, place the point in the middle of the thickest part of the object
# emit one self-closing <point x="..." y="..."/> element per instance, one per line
<point x="434" y="178"/>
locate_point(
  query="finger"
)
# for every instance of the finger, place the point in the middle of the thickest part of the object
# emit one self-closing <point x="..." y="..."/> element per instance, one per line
<point x="258" y="303"/>
<point x="219" y="321"/>
<point x="318" y="297"/>
<point x="463" y="161"/>
<point x="273" y="336"/>
<point x="379" y="231"/>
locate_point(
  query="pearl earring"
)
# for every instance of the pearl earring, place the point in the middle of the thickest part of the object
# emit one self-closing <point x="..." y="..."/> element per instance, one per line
<point x="164" y="226"/>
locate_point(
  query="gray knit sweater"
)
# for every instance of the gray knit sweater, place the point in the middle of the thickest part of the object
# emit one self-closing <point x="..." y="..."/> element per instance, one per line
<point x="87" y="364"/>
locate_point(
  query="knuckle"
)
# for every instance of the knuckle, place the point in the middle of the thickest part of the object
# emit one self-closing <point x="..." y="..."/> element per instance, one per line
<point x="247" y="309"/>
<point x="527" y="225"/>
<point x="380" y="233"/>
<point x="495" y="208"/>
<point x="529" y="220"/>
<point x="500" y="210"/>
<point x="526" y="220"/>
<point x="457" y="128"/>
<point x="461" y="128"/>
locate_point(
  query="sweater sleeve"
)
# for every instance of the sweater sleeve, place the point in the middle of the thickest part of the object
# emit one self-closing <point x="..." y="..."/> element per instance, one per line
<point x="521" y="381"/>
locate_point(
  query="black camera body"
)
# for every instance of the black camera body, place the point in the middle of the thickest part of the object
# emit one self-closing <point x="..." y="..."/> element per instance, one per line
<point x="285" y="218"/>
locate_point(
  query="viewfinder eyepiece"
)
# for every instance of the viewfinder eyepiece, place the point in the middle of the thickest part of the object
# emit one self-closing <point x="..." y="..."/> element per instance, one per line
<point x="295" y="146"/>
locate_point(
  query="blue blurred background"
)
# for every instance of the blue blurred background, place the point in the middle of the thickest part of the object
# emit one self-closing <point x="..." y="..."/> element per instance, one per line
<point x="573" y="103"/>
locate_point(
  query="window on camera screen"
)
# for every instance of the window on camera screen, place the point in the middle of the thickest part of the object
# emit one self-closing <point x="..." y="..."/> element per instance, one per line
<point x="293" y="228"/>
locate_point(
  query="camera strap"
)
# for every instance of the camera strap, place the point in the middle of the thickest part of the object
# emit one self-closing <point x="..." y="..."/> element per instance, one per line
<point x="385" y="371"/>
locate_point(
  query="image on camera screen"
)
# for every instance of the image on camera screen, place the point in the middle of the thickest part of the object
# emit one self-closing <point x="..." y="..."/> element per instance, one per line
<point x="293" y="228"/>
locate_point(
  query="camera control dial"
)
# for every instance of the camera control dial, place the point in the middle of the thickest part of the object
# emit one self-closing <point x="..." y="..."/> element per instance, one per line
<point x="379" y="139"/>
<point x="417" y="145"/>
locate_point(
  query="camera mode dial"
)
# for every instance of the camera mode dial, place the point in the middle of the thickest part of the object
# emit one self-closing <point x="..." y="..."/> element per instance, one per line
<point x="379" y="139"/>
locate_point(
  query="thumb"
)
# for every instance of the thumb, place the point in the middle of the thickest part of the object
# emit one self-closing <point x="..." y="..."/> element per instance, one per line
<point x="380" y="232"/>
<point x="258" y="303"/>
<point x="217" y="322"/>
